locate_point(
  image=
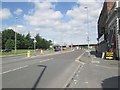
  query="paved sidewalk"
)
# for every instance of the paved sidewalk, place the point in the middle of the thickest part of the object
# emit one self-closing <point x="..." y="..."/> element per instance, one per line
<point x="96" y="73"/>
<point x="98" y="60"/>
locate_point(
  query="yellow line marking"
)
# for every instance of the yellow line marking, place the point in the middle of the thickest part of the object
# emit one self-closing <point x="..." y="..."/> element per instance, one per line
<point x="78" y="58"/>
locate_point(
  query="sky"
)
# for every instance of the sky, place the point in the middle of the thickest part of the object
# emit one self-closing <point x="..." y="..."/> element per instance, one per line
<point x="61" y="22"/>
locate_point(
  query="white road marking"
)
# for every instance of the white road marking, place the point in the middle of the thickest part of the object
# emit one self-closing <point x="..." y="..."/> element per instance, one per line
<point x="22" y="67"/>
<point x="46" y="60"/>
<point x="14" y="69"/>
<point x="86" y="82"/>
<point x="75" y="81"/>
<point x="6" y="71"/>
<point x="106" y="67"/>
<point x="50" y="54"/>
<point x="73" y="74"/>
<point x="69" y="79"/>
<point x="95" y="61"/>
<point x="77" y="75"/>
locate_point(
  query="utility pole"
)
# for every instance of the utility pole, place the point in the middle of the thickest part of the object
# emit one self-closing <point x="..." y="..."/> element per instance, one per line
<point x="16" y="34"/>
<point x="87" y="32"/>
<point x="118" y="28"/>
<point x="34" y="44"/>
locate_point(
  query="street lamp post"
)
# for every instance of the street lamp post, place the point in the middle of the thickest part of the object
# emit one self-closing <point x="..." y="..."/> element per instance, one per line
<point x="87" y="32"/>
<point x="34" y="44"/>
<point x="118" y="28"/>
<point x="15" y="35"/>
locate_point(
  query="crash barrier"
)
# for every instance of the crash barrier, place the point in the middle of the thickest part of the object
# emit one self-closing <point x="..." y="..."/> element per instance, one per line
<point x="109" y="55"/>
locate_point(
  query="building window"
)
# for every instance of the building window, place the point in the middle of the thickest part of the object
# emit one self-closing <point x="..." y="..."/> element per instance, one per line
<point x="119" y="27"/>
<point x="119" y="24"/>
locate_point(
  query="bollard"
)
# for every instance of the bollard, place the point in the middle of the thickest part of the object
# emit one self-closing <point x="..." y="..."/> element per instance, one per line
<point x="28" y="54"/>
<point x="41" y="51"/>
<point x="103" y="55"/>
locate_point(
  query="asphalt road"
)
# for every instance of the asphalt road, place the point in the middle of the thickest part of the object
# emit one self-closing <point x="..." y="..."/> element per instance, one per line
<point x="47" y="71"/>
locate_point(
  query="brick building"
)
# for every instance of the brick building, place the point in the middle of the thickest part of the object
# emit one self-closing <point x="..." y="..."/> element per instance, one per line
<point x="109" y="28"/>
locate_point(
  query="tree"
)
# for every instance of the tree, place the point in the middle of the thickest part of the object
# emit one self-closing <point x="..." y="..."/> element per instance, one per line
<point x="9" y="44"/>
<point x="23" y="42"/>
<point x="20" y="41"/>
<point x="28" y="41"/>
<point x="39" y="41"/>
<point x="7" y="34"/>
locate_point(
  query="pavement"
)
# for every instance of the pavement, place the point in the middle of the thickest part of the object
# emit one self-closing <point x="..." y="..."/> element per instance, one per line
<point x="67" y="69"/>
<point x="96" y="73"/>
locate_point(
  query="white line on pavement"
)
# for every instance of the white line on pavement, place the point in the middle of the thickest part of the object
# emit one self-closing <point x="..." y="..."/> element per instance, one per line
<point x="106" y="67"/>
<point x="25" y="58"/>
<point x="46" y="60"/>
<point x="14" y="69"/>
<point x="77" y="75"/>
<point x="75" y="81"/>
<point x="86" y="82"/>
<point x="27" y="65"/>
<point x="68" y="81"/>
<point x="94" y="61"/>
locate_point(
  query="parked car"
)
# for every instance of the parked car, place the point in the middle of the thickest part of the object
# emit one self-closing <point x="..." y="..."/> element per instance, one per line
<point x="7" y="50"/>
<point x="57" y="48"/>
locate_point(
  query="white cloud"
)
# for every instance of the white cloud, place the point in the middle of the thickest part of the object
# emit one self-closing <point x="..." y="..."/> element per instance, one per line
<point x="18" y="11"/>
<point x="49" y="22"/>
<point x="5" y="13"/>
<point x="44" y="15"/>
<point x="79" y="19"/>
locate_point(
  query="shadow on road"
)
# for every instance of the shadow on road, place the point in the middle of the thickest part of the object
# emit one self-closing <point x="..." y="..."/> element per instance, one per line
<point x="41" y="74"/>
<point x="112" y="82"/>
<point x="98" y="55"/>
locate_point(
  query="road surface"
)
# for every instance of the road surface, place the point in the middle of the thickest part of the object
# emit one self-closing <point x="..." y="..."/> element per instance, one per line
<point x="70" y="69"/>
<point x="50" y="71"/>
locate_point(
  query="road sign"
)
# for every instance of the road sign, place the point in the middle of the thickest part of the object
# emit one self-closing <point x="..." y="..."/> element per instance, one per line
<point x="109" y="55"/>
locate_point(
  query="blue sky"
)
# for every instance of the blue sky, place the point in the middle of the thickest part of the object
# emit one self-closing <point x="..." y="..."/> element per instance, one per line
<point x="12" y="6"/>
<point x="63" y="22"/>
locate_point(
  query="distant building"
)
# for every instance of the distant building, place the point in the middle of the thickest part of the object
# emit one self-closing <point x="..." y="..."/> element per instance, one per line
<point x="109" y="28"/>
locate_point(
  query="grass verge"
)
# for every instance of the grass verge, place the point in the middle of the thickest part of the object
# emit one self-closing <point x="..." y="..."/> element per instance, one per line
<point x="17" y="52"/>
<point x="23" y="52"/>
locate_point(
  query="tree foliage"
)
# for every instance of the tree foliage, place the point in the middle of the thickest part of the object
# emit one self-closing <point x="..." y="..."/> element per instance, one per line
<point x="9" y="44"/>
<point x="23" y="41"/>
